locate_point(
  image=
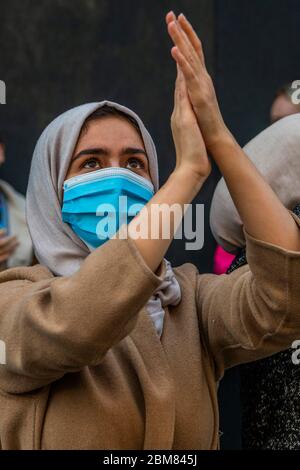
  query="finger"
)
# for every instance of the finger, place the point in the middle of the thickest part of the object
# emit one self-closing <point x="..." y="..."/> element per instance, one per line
<point x="183" y="64"/>
<point x="6" y="242"/>
<point x="176" y="99"/>
<point x="5" y="254"/>
<point x="4" y="258"/>
<point x="181" y="40"/>
<point x="181" y="87"/>
<point x="170" y="17"/>
<point x="10" y="250"/>
<point x="192" y="36"/>
<point x="176" y="89"/>
<point x="178" y="38"/>
<point x="186" y="107"/>
<point x="176" y="117"/>
<point x="2" y="232"/>
<point x="7" y="239"/>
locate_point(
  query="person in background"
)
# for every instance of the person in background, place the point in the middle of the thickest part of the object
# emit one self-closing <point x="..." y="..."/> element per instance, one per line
<point x="15" y="242"/>
<point x="282" y="107"/>
<point x="270" y="388"/>
<point x="222" y="260"/>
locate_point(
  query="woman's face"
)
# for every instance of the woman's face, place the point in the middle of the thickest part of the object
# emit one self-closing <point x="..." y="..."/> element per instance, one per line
<point x="106" y="142"/>
<point x="281" y="108"/>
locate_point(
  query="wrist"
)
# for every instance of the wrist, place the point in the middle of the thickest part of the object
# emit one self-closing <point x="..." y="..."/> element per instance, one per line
<point x="185" y="174"/>
<point x="213" y="128"/>
<point x="220" y="140"/>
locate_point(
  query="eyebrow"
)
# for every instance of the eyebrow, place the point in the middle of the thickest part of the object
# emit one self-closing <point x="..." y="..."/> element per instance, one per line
<point x="104" y="152"/>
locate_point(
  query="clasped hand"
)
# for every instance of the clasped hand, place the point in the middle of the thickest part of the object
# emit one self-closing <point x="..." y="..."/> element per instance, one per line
<point x="196" y="122"/>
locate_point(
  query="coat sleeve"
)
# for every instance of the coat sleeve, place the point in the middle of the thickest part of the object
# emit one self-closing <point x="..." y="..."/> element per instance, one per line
<point x="253" y="312"/>
<point x="57" y="325"/>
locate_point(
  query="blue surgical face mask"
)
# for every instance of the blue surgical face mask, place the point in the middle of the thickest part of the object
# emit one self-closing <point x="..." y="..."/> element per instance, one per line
<point x="97" y="204"/>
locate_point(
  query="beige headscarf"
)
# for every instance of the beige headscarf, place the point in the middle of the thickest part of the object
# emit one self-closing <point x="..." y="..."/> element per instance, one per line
<point x="54" y="242"/>
<point x="276" y="154"/>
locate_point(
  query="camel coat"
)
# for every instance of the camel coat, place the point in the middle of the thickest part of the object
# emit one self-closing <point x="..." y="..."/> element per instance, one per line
<point x="85" y="368"/>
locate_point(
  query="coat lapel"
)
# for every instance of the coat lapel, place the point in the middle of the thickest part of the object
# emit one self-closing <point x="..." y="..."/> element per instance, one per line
<point x="157" y="382"/>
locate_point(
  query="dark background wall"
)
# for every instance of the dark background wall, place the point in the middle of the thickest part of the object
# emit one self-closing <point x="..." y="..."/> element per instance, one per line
<point x="256" y="51"/>
<point x="56" y="54"/>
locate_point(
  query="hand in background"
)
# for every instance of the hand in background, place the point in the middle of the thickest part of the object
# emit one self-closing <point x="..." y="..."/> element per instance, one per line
<point x="8" y="245"/>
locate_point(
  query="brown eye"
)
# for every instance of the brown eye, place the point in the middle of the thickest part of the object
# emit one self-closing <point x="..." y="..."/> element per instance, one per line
<point x="135" y="164"/>
<point x="91" y="164"/>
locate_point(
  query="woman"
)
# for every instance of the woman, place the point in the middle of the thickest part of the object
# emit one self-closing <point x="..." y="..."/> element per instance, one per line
<point x="270" y="387"/>
<point x="15" y="243"/>
<point x="88" y="364"/>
